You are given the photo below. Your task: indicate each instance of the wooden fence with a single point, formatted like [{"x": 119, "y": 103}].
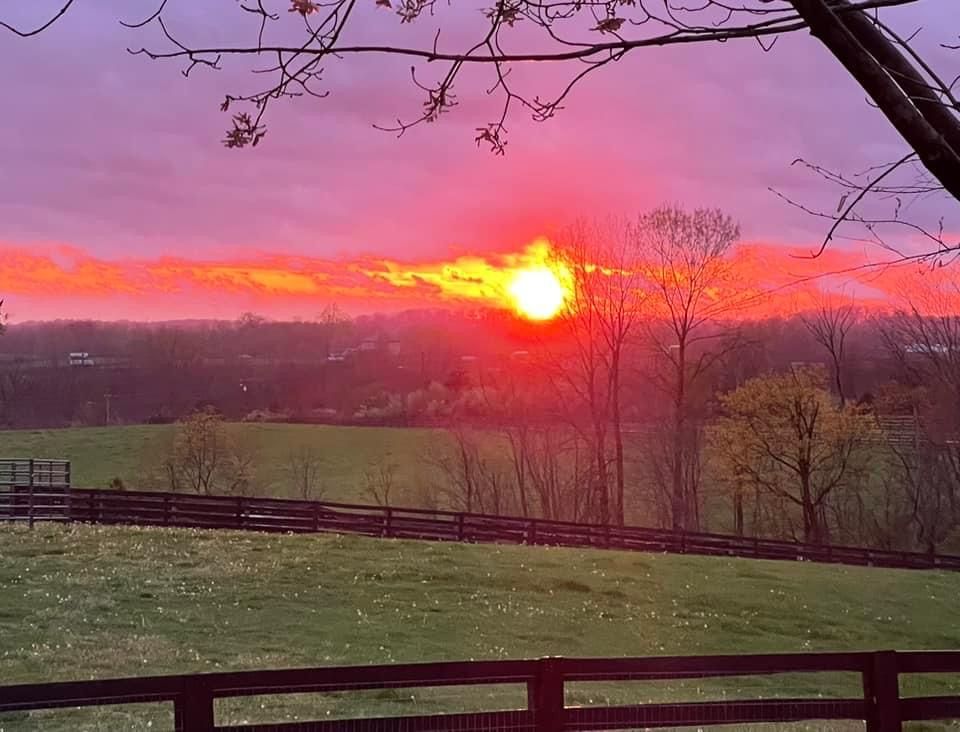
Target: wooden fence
[
  {"x": 34, "y": 472},
  {"x": 285, "y": 515},
  {"x": 546, "y": 681}
]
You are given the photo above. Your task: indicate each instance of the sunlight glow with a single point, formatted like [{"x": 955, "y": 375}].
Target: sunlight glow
[{"x": 537, "y": 294}]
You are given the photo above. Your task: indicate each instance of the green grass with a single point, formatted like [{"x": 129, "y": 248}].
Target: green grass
[
  {"x": 99, "y": 454},
  {"x": 92, "y": 602}
]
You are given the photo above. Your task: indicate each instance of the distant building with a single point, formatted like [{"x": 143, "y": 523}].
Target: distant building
[{"x": 82, "y": 359}]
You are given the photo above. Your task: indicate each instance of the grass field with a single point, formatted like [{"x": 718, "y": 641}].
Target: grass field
[
  {"x": 89, "y": 602},
  {"x": 99, "y": 454}
]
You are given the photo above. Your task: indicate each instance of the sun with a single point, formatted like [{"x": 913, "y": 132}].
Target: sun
[{"x": 537, "y": 293}]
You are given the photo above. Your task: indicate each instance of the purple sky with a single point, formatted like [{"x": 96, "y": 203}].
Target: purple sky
[{"x": 119, "y": 157}]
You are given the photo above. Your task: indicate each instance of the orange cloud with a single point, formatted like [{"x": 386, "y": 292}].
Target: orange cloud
[
  {"x": 467, "y": 277},
  {"x": 236, "y": 277},
  {"x": 59, "y": 281},
  {"x": 63, "y": 270}
]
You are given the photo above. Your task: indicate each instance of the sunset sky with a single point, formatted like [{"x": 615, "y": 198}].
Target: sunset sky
[{"x": 118, "y": 201}]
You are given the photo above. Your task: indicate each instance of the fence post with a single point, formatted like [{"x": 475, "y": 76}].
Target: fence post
[
  {"x": 387, "y": 515},
  {"x": 239, "y": 512},
  {"x": 30, "y": 494},
  {"x": 193, "y": 708},
  {"x": 316, "y": 517},
  {"x": 532, "y": 532},
  {"x": 459, "y": 527},
  {"x": 545, "y": 696},
  {"x": 881, "y": 691},
  {"x": 166, "y": 509}
]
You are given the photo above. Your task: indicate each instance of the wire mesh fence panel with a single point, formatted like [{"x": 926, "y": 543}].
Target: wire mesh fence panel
[
  {"x": 154, "y": 717},
  {"x": 729, "y": 700},
  {"x": 812, "y": 685},
  {"x": 480, "y": 707},
  {"x": 929, "y": 684},
  {"x": 817, "y": 726}
]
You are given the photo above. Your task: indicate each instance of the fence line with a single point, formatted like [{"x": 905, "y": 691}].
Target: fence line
[
  {"x": 193, "y": 696},
  {"x": 297, "y": 516}
]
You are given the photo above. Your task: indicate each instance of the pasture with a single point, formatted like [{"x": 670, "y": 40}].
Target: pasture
[
  {"x": 100, "y": 454},
  {"x": 89, "y": 602}
]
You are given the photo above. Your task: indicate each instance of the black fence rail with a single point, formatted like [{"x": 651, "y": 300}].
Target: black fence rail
[
  {"x": 546, "y": 682},
  {"x": 295, "y": 516}
]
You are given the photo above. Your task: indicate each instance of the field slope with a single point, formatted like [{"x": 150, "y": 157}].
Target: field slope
[
  {"x": 87, "y": 602},
  {"x": 100, "y": 454}
]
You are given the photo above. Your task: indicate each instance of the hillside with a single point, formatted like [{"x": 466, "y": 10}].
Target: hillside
[
  {"x": 100, "y": 454},
  {"x": 94, "y": 602}
]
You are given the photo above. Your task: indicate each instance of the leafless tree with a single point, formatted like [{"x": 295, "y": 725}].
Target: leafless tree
[
  {"x": 924, "y": 336},
  {"x": 379, "y": 480},
  {"x": 304, "y": 470},
  {"x": 690, "y": 286},
  {"x": 601, "y": 314},
  {"x": 13, "y": 380},
  {"x": 829, "y": 325},
  {"x": 912, "y": 89},
  {"x": 203, "y": 458},
  {"x": 468, "y": 474},
  {"x": 930, "y": 479},
  {"x": 549, "y": 461},
  {"x": 335, "y": 322}
]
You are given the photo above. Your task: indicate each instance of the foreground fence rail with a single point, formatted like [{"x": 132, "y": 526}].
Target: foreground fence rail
[
  {"x": 546, "y": 681},
  {"x": 40, "y": 503}
]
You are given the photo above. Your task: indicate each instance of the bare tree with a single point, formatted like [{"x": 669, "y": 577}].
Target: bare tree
[
  {"x": 335, "y": 322},
  {"x": 913, "y": 90},
  {"x": 924, "y": 336},
  {"x": 930, "y": 479},
  {"x": 829, "y": 325},
  {"x": 13, "y": 382},
  {"x": 469, "y": 475},
  {"x": 690, "y": 286},
  {"x": 203, "y": 458},
  {"x": 200, "y": 452},
  {"x": 601, "y": 315},
  {"x": 549, "y": 461},
  {"x": 379, "y": 481},
  {"x": 304, "y": 470}
]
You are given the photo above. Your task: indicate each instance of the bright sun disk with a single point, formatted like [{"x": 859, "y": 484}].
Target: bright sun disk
[{"x": 537, "y": 293}]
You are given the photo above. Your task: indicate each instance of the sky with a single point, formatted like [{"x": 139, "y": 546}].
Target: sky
[{"x": 117, "y": 199}]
